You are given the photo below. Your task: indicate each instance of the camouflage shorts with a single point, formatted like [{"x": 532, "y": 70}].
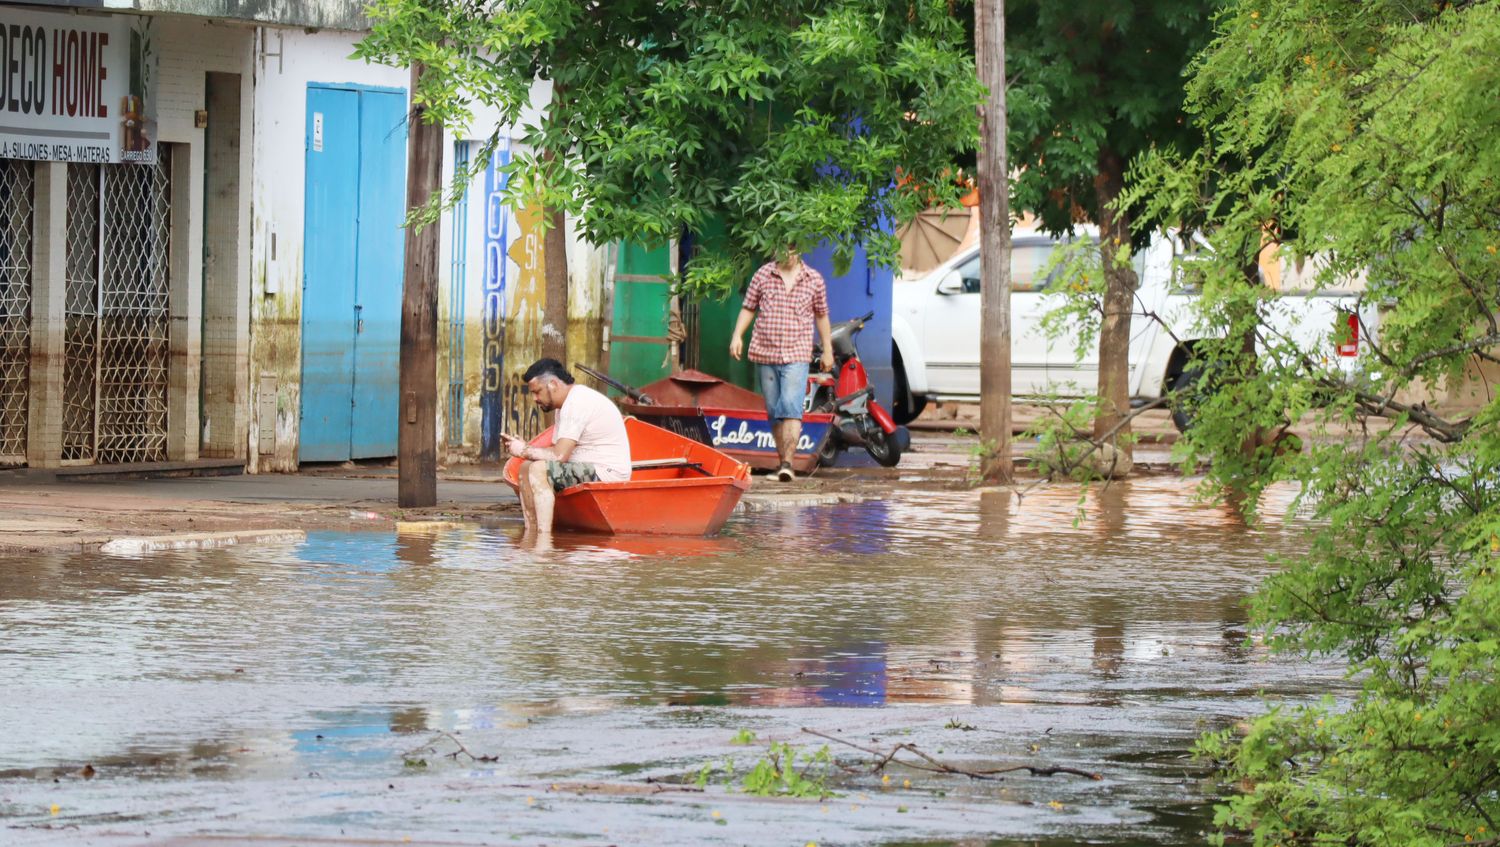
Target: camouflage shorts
[{"x": 568, "y": 474}]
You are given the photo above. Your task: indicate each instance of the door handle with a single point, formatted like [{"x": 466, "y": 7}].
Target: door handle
[{"x": 359, "y": 321}]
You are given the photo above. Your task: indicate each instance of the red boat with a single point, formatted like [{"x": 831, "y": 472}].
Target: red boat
[
  {"x": 676, "y": 487},
  {"x": 730, "y": 418}
]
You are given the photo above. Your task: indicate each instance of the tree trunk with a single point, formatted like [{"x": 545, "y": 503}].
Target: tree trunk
[
  {"x": 416, "y": 443},
  {"x": 555, "y": 268},
  {"x": 1120, "y": 283},
  {"x": 994, "y": 245},
  {"x": 555, "y": 252}
]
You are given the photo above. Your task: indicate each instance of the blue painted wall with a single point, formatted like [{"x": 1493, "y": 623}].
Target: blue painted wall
[
  {"x": 864, "y": 288},
  {"x": 497, "y": 237}
]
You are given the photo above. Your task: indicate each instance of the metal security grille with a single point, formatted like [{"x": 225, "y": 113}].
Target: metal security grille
[
  {"x": 17, "y": 183},
  {"x": 458, "y": 272},
  {"x": 81, "y": 313},
  {"x": 133, "y": 316}
]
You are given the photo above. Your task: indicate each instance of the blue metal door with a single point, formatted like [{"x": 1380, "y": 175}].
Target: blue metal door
[
  {"x": 330, "y": 239},
  {"x": 352, "y": 268},
  {"x": 377, "y": 294}
]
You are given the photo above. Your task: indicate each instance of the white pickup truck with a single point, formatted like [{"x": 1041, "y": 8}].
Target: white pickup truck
[{"x": 935, "y": 330}]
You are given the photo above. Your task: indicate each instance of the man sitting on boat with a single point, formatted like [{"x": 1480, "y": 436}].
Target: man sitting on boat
[{"x": 589, "y": 443}]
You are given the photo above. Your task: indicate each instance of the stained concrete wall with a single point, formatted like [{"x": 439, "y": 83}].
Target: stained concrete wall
[
  {"x": 286, "y": 62},
  {"x": 190, "y": 50},
  {"x": 489, "y": 368}
]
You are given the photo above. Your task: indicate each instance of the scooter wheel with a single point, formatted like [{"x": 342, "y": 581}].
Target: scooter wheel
[
  {"x": 883, "y": 448},
  {"x": 828, "y": 454}
]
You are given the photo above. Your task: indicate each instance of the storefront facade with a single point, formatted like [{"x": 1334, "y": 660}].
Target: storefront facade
[{"x": 121, "y": 228}]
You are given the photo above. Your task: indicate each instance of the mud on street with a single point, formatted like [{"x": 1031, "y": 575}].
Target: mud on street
[{"x": 376, "y": 680}]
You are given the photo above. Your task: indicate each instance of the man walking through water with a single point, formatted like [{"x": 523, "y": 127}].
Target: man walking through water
[
  {"x": 785, "y": 299},
  {"x": 589, "y": 443}
]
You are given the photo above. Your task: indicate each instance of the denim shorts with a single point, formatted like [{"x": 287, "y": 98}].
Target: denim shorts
[{"x": 785, "y": 389}]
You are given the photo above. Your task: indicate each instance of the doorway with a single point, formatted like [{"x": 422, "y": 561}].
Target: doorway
[{"x": 353, "y": 251}]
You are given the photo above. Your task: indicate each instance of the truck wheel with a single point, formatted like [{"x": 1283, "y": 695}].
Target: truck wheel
[
  {"x": 1188, "y": 390},
  {"x": 907, "y": 405}
]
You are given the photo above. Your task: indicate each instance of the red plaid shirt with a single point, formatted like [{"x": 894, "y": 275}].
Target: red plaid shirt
[{"x": 783, "y": 331}]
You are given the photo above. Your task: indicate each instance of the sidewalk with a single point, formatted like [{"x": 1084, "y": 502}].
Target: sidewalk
[
  {"x": 1153, "y": 426},
  {"x": 37, "y": 516}
]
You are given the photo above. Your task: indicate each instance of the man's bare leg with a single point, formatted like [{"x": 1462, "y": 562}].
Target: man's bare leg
[
  {"x": 542, "y": 496},
  {"x": 528, "y": 509},
  {"x": 791, "y": 433}
]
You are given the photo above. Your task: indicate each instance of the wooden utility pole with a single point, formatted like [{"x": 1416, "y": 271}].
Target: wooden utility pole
[
  {"x": 416, "y": 443},
  {"x": 994, "y": 245}
]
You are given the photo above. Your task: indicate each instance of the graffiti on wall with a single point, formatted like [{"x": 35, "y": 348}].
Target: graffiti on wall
[
  {"x": 523, "y": 339},
  {"x": 496, "y": 232}
]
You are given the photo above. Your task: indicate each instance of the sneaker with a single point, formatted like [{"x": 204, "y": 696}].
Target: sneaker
[{"x": 784, "y": 474}]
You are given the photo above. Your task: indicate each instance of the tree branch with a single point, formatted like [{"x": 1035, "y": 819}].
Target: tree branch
[{"x": 936, "y": 766}]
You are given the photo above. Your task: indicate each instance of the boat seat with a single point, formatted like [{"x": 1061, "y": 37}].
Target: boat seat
[{"x": 667, "y": 463}]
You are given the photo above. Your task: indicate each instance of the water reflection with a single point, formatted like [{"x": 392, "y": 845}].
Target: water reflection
[{"x": 949, "y": 598}]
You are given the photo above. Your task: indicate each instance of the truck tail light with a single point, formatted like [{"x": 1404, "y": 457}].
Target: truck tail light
[{"x": 1346, "y": 334}]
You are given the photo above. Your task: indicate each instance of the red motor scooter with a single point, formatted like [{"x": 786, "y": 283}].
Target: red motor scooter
[{"x": 858, "y": 418}]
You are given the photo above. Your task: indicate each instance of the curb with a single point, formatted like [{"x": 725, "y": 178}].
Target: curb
[
  {"x": 777, "y": 502},
  {"x": 197, "y": 541}
]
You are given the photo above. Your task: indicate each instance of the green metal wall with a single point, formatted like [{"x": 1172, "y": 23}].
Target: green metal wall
[{"x": 638, "y": 326}]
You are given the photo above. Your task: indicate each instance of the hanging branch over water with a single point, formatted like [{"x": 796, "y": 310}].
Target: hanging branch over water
[{"x": 932, "y": 765}]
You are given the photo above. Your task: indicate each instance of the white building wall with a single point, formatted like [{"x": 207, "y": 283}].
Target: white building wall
[{"x": 286, "y": 62}]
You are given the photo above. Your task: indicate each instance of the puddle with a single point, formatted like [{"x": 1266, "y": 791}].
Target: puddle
[{"x": 355, "y": 684}]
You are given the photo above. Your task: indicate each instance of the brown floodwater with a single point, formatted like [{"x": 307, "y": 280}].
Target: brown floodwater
[{"x": 303, "y": 690}]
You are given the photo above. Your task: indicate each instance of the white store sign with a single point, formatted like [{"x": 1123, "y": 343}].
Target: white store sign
[{"x": 77, "y": 88}]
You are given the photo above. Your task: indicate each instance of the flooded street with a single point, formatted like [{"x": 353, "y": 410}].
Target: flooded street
[{"x": 317, "y": 689}]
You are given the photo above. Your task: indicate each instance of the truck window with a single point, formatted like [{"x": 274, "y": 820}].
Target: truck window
[{"x": 1027, "y": 263}]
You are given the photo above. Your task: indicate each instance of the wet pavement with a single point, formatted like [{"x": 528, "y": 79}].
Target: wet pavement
[{"x": 454, "y": 685}]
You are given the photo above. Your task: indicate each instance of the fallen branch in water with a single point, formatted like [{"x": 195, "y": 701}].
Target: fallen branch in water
[
  {"x": 461, "y": 751},
  {"x": 652, "y": 786},
  {"x": 935, "y": 766}
]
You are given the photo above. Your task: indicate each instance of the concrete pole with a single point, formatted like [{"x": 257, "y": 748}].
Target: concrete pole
[
  {"x": 994, "y": 245},
  {"x": 416, "y": 443},
  {"x": 49, "y": 292}
]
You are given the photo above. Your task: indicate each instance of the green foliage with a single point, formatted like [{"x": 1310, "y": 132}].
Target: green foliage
[
  {"x": 981, "y": 453},
  {"x": 784, "y": 771},
  {"x": 1361, "y": 138},
  {"x": 788, "y": 121},
  {"x": 1074, "y": 293},
  {"x": 777, "y": 773},
  {"x": 1064, "y": 446},
  {"x": 1093, "y": 81},
  {"x": 742, "y": 737}
]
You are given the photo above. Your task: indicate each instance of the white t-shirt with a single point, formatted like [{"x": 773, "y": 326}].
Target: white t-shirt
[{"x": 592, "y": 420}]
